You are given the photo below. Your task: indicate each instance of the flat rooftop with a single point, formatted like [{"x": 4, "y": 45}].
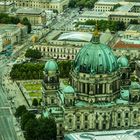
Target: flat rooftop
[
  {"x": 105, "y": 135},
  {"x": 125, "y": 8},
  {"x": 134, "y": 27},
  {"x": 75, "y": 36},
  {"x": 120, "y": 13},
  {"x": 2, "y": 3},
  {"x": 8, "y": 27},
  {"x": 26, "y": 10},
  {"x": 95, "y": 14}
]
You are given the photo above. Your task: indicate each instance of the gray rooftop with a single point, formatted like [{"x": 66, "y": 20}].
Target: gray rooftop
[
  {"x": 7, "y": 28},
  {"x": 105, "y": 135},
  {"x": 76, "y": 36},
  {"x": 110, "y": 0},
  {"x": 6, "y": 3},
  {"x": 125, "y": 8},
  {"x": 95, "y": 14},
  {"x": 26, "y": 10},
  {"x": 134, "y": 27}
]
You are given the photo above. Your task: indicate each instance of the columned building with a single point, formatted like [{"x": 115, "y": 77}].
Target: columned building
[{"x": 95, "y": 99}]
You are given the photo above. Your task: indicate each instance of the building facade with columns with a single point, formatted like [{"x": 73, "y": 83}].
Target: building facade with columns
[
  {"x": 59, "y": 5},
  {"x": 35, "y": 16},
  {"x": 95, "y": 98}
]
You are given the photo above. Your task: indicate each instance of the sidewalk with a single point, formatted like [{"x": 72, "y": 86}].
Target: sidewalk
[{"x": 13, "y": 92}]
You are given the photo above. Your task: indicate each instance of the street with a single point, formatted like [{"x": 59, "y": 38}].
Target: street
[
  {"x": 65, "y": 21},
  {"x": 7, "y": 129}
]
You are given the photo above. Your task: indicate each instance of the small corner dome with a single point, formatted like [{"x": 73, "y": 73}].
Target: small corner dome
[
  {"x": 123, "y": 61},
  {"x": 51, "y": 65},
  {"x": 68, "y": 89}
]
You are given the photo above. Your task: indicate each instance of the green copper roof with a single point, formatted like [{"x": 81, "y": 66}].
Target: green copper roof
[
  {"x": 135, "y": 85},
  {"x": 123, "y": 61},
  {"x": 95, "y": 58},
  {"x": 51, "y": 65},
  {"x": 125, "y": 94},
  {"x": 68, "y": 89}
]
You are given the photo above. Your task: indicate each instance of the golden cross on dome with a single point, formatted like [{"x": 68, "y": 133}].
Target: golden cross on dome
[
  {"x": 96, "y": 35},
  {"x": 96, "y": 32}
]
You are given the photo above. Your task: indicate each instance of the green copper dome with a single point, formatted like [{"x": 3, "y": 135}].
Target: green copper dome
[
  {"x": 68, "y": 90},
  {"x": 95, "y": 58},
  {"x": 51, "y": 65},
  {"x": 123, "y": 61}
]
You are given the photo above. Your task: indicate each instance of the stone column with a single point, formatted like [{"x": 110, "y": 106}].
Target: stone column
[
  {"x": 100, "y": 123},
  {"x": 94, "y": 89},
  {"x": 74, "y": 124},
  {"x": 86, "y": 88},
  {"x": 90, "y": 121},
  {"x": 81, "y": 121},
  {"x": 108, "y": 88},
  {"x": 81, "y": 84},
  {"x": 93, "y": 122},
  {"x": 103, "y": 88},
  {"x": 79, "y": 87}
]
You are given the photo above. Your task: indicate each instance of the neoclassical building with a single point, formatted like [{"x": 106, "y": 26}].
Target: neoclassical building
[
  {"x": 100, "y": 95},
  {"x": 59, "y": 5}
]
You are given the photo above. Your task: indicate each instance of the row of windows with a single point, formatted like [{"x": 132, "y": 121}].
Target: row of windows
[
  {"x": 62, "y": 50},
  {"x": 104, "y": 116},
  {"x": 127, "y": 115},
  {"x": 108, "y": 7},
  {"x": 44, "y": 6},
  {"x": 104, "y": 125},
  {"x": 123, "y": 19}
]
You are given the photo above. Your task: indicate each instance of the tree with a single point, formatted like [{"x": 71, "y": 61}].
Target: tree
[
  {"x": 6, "y": 19},
  {"x": 64, "y": 67},
  {"x": 120, "y": 26},
  {"x": 25, "y": 118},
  {"x": 27, "y": 71},
  {"x": 35, "y": 102},
  {"x": 20, "y": 111},
  {"x": 26, "y": 22},
  {"x": 31, "y": 129},
  {"x": 115, "y": 7},
  {"x": 33, "y": 54},
  {"x": 72, "y": 3},
  {"x": 55, "y": 11},
  {"x": 15, "y": 20},
  {"x": 134, "y": 21},
  {"x": 47, "y": 129},
  {"x": 38, "y": 129}
]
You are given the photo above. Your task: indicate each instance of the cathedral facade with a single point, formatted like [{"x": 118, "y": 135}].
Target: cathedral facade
[{"x": 100, "y": 95}]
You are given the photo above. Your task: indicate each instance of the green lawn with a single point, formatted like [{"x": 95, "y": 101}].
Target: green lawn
[
  {"x": 30, "y": 86},
  {"x": 35, "y": 94}
]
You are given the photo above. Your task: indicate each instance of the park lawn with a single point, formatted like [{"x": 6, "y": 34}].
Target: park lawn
[
  {"x": 30, "y": 86},
  {"x": 35, "y": 94}
]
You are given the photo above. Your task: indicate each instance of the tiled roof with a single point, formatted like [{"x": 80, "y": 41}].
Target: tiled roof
[{"x": 123, "y": 45}]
